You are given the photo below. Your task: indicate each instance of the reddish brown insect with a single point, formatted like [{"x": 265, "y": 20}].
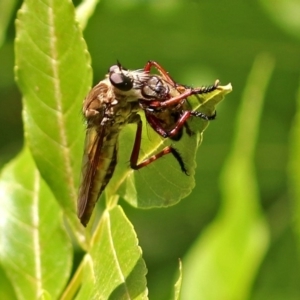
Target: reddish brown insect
[
  {"x": 115, "y": 102},
  {"x": 167, "y": 111}
]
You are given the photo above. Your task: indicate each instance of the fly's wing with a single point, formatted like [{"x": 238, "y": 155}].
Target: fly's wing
[
  {"x": 93, "y": 110},
  {"x": 88, "y": 192}
]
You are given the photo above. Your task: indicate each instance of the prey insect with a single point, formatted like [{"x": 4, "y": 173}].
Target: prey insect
[
  {"x": 115, "y": 102},
  {"x": 167, "y": 110}
]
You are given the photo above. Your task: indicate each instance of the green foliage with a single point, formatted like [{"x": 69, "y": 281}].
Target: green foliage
[
  {"x": 53, "y": 73},
  {"x": 35, "y": 250},
  {"x": 246, "y": 249},
  {"x": 118, "y": 270},
  {"x": 239, "y": 232},
  {"x": 6, "y": 10},
  {"x": 178, "y": 283}
]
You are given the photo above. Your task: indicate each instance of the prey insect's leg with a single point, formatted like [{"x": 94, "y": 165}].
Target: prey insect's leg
[
  {"x": 201, "y": 115},
  {"x": 184, "y": 117},
  {"x": 136, "y": 150},
  {"x": 184, "y": 93},
  {"x": 156, "y": 125},
  {"x": 161, "y": 70}
]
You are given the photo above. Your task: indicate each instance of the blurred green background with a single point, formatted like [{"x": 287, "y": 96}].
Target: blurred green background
[{"x": 198, "y": 42}]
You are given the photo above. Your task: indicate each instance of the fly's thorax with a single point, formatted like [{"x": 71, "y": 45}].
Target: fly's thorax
[
  {"x": 101, "y": 96},
  {"x": 121, "y": 113},
  {"x": 120, "y": 87},
  {"x": 106, "y": 104},
  {"x": 115, "y": 101}
]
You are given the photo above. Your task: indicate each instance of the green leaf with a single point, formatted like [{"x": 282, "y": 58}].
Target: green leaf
[
  {"x": 53, "y": 73},
  {"x": 226, "y": 258},
  {"x": 45, "y": 296},
  {"x": 35, "y": 250},
  {"x": 178, "y": 283},
  {"x": 6, "y": 288},
  {"x": 6, "y": 11},
  {"x": 161, "y": 183},
  {"x": 294, "y": 167},
  {"x": 285, "y": 14},
  {"x": 114, "y": 268},
  {"x": 85, "y": 10}
]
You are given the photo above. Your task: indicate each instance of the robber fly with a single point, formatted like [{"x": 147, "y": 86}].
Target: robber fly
[
  {"x": 115, "y": 102},
  {"x": 109, "y": 106}
]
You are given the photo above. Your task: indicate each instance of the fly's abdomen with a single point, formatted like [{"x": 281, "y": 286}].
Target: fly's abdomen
[{"x": 98, "y": 166}]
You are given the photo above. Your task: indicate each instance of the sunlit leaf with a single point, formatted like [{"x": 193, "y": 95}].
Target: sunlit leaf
[
  {"x": 85, "y": 10},
  {"x": 225, "y": 259},
  {"x": 53, "y": 73},
  {"x": 162, "y": 183},
  {"x": 114, "y": 265},
  {"x": 45, "y": 296},
  {"x": 178, "y": 283},
  {"x": 35, "y": 250}
]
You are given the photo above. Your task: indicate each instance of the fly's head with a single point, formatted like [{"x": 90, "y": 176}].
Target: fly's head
[{"x": 127, "y": 82}]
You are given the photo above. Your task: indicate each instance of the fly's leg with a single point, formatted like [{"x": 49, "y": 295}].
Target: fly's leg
[{"x": 136, "y": 150}]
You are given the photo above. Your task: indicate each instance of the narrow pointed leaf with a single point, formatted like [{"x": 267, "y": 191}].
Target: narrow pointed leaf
[
  {"x": 35, "y": 250},
  {"x": 53, "y": 73},
  {"x": 294, "y": 166},
  {"x": 224, "y": 260},
  {"x": 85, "y": 10},
  {"x": 177, "y": 287}
]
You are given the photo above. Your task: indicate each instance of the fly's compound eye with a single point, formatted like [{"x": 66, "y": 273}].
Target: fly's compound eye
[
  {"x": 116, "y": 68},
  {"x": 120, "y": 81},
  {"x": 113, "y": 68}
]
